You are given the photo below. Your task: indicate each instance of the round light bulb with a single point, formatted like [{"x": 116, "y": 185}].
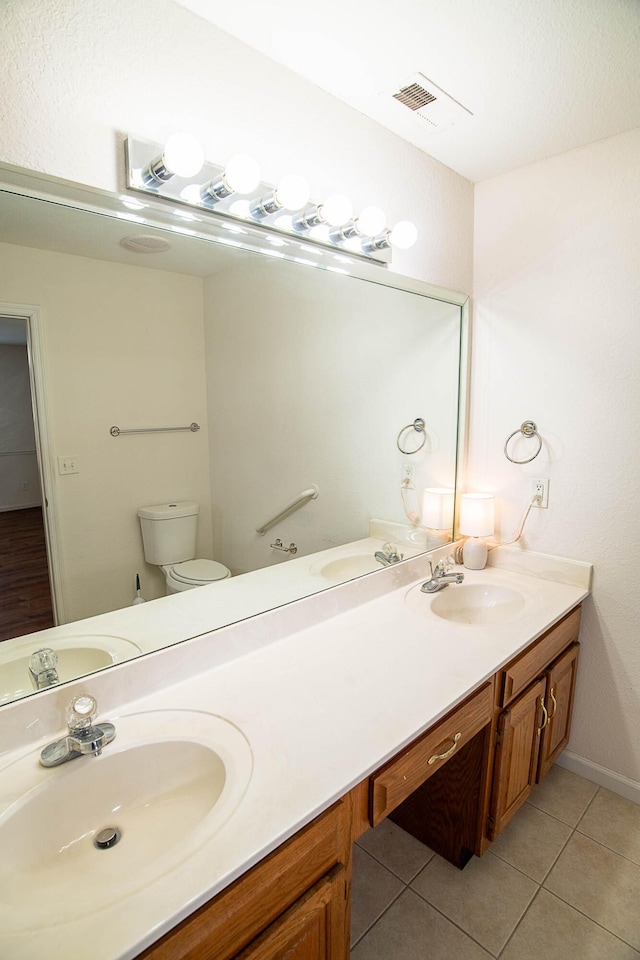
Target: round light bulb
[
  {"x": 403, "y": 235},
  {"x": 336, "y": 210},
  {"x": 240, "y": 208},
  {"x": 284, "y": 222},
  {"x": 191, "y": 193},
  {"x": 292, "y": 192},
  {"x": 242, "y": 174},
  {"x": 371, "y": 221},
  {"x": 320, "y": 232},
  {"x": 183, "y": 155}
]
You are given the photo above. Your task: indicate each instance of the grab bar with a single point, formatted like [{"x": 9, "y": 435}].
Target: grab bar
[
  {"x": 310, "y": 494},
  {"x": 117, "y": 431}
]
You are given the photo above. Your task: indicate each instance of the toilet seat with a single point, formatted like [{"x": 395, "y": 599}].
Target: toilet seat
[{"x": 196, "y": 573}]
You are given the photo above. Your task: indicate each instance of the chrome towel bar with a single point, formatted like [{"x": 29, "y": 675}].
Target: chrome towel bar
[
  {"x": 527, "y": 429},
  {"x": 117, "y": 431}
]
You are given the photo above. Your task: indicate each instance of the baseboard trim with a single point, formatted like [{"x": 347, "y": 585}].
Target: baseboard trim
[
  {"x": 19, "y": 506},
  {"x": 623, "y": 786}
]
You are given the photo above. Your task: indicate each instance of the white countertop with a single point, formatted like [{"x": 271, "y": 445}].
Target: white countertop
[
  {"x": 321, "y": 708},
  {"x": 142, "y": 628}
]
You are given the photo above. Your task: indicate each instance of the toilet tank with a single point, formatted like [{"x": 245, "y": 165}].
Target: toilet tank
[{"x": 169, "y": 531}]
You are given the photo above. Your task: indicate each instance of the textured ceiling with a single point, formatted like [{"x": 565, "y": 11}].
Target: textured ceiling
[{"x": 539, "y": 78}]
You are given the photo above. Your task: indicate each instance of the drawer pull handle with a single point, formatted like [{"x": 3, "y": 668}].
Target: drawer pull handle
[
  {"x": 555, "y": 704},
  {"x": 447, "y": 753},
  {"x": 546, "y": 716}
]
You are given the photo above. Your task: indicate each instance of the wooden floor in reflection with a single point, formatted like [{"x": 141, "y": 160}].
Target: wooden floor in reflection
[{"x": 25, "y": 594}]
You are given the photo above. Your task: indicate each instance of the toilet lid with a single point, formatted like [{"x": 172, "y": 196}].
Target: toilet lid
[{"x": 199, "y": 571}]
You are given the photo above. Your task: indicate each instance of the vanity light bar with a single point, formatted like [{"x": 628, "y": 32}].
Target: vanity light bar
[{"x": 178, "y": 172}]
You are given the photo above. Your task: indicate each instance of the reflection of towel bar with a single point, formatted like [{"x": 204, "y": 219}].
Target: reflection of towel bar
[
  {"x": 116, "y": 431},
  {"x": 304, "y": 497}
]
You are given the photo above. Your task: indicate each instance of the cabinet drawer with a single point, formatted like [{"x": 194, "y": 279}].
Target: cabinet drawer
[
  {"x": 393, "y": 783},
  {"x": 221, "y": 928},
  {"x": 524, "y": 669}
]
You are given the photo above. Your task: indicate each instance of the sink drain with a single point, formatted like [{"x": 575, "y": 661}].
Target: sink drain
[{"x": 107, "y": 838}]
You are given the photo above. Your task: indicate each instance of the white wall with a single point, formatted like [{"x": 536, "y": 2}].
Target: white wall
[
  {"x": 79, "y": 74},
  {"x": 18, "y": 463},
  {"x": 557, "y": 340},
  {"x": 115, "y": 353},
  {"x": 311, "y": 375}
]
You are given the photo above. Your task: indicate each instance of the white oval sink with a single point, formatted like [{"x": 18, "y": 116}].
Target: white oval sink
[
  {"x": 77, "y": 656},
  {"x": 345, "y": 568},
  {"x": 478, "y": 603},
  {"x": 168, "y": 783}
]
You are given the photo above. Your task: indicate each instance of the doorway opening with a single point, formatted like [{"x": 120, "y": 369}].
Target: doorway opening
[{"x": 27, "y": 595}]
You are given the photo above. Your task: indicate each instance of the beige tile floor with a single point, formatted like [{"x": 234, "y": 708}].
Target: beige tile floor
[{"x": 562, "y": 882}]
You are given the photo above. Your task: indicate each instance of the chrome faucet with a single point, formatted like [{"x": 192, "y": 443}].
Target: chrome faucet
[
  {"x": 440, "y": 577},
  {"x": 388, "y": 555},
  {"x": 42, "y": 668},
  {"x": 84, "y": 738}
]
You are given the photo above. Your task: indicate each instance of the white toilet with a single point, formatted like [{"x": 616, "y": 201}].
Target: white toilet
[{"x": 169, "y": 540}]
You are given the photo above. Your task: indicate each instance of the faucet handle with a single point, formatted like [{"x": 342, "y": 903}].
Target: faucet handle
[
  {"x": 43, "y": 660},
  {"x": 81, "y": 712},
  {"x": 445, "y": 564}
]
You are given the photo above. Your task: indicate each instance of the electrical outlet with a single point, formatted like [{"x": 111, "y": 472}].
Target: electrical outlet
[
  {"x": 408, "y": 479},
  {"x": 68, "y": 465},
  {"x": 24, "y": 485},
  {"x": 540, "y": 488}
]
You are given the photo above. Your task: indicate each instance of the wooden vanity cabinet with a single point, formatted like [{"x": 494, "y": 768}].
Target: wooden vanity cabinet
[
  {"x": 455, "y": 788},
  {"x": 294, "y": 903},
  {"x": 433, "y": 788},
  {"x": 534, "y": 718}
]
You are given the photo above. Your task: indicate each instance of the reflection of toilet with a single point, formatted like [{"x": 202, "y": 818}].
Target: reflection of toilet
[{"x": 169, "y": 539}]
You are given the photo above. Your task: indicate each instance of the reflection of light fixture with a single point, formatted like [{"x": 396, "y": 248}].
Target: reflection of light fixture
[
  {"x": 437, "y": 508},
  {"x": 292, "y": 193},
  {"x": 241, "y": 175},
  {"x": 334, "y": 211},
  {"x": 477, "y": 511},
  {"x": 182, "y": 156}
]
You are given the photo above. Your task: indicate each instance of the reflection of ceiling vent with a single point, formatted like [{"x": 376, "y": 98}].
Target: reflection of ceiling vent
[
  {"x": 429, "y": 102},
  {"x": 145, "y": 243}
]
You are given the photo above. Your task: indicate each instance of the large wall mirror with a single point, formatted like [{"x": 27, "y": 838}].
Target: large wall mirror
[{"x": 304, "y": 371}]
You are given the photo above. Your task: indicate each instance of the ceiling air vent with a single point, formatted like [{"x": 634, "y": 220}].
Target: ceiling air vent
[
  {"x": 145, "y": 243},
  {"x": 427, "y": 101}
]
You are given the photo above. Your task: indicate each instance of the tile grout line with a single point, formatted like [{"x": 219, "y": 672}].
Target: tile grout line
[
  {"x": 392, "y": 872},
  {"x": 452, "y": 922},
  {"x": 513, "y": 932},
  {"x": 378, "y": 918},
  {"x": 572, "y": 906},
  {"x": 540, "y": 884}
]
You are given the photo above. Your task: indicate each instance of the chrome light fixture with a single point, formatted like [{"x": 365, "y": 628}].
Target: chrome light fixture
[
  {"x": 241, "y": 175},
  {"x": 182, "y": 156},
  {"x": 179, "y": 173},
  {"x": 402, "y": 236},
  {"x": 292, "y": 193},
  {"x": 335, "y": 211}
]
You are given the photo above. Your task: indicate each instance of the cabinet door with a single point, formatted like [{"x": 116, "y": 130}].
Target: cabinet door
[
  {"x": 561, "y": 683},
  {"x": 311, "y": 929},
  {"x": 516, "y": 757}
]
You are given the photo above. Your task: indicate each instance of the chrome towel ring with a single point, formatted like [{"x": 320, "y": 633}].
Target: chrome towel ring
[
  {"x": 528, "y": 429},
  {"x": 418, "y": 426}
]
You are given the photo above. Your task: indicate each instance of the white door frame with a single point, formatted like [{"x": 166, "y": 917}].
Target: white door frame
[{"x": 44, "y": 455}]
